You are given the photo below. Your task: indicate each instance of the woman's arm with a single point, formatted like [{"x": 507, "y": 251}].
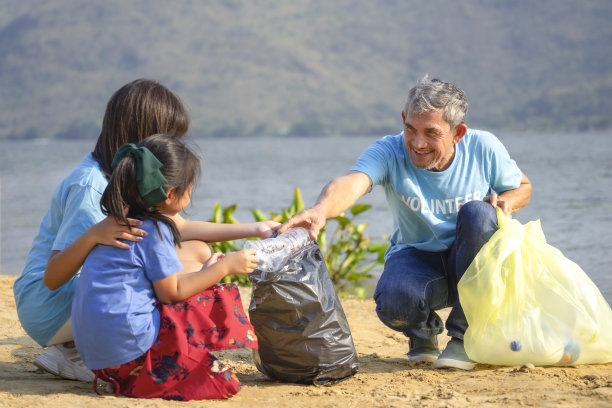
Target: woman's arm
[
  {"x": 180, "y": 286},
  {"x": 63, "y": 265},
  {"x": 218, "y": 232}
]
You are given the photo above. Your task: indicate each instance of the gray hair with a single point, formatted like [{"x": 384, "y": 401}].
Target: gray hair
[{"x": 434, "y": 95}]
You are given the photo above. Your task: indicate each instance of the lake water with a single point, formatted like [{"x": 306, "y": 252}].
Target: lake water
[{"x": 571, "y": 174}]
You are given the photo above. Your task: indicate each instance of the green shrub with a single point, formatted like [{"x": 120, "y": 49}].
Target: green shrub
[{"x": 349, "y": 254}]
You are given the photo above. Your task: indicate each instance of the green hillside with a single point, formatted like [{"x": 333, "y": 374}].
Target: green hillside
[{"x": 264, "y": 68}]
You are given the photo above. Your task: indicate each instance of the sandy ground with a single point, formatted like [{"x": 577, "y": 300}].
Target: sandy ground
[{"x": 385, "y": 377}]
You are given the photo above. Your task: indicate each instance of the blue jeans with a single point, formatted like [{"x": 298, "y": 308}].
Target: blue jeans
[{"x": 414, "y": 283}]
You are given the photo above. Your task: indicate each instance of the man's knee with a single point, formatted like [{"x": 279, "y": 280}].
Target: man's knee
[
  {"x": 477, "y": 218},
  {"x": 397, "y": 307},
  {"x": 477, "y": 210}
]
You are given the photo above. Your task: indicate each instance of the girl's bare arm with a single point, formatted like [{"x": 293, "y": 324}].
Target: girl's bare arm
[{"x": 181, "y": 285}]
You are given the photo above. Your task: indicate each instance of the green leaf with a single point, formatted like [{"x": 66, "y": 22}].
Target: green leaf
[
  {"x": 342, "y": 221},
  {"x": 228, "y": 211},
  {"x": 258, "y": 215},
  {"x": 382, "y": 246},
  {"x": 297, "y": 200},
  {"x": 216, "y": 213},
  {"x": 360, "y": 292},
  {"x": 359, "y": 208},
  {"x": 359, "y": 228},
  {"x": 286, "y": 215},
  {"x": 291, "y": 210}
]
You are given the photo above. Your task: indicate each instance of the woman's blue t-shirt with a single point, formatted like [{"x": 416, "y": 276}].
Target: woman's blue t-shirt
[
  {"x": 425, "y": 203},
  {"x": 114, "y": 319},
  {"x": 74, "y": 208}
]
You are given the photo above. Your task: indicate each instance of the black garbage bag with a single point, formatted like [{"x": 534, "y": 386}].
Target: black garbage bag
[{"x": 302, "y": 330}]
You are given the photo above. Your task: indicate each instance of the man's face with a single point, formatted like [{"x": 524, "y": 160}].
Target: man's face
[{"x": 429, "y": 140}]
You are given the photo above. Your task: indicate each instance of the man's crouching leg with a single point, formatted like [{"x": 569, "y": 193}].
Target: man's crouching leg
[
  {"x": 411, "y": 288},
  {"x": 476, "y": 223}
]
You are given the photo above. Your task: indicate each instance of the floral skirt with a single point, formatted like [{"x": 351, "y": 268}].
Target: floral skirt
[{"x": 179, "y": 365}]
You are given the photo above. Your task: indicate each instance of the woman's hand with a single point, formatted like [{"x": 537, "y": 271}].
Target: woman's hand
[
  {"x": 63, "y": 265},
  {"x": 109, "y": 231},
  {"x": 265, "y": 229}
]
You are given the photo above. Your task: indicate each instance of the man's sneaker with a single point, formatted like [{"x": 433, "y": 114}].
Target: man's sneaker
[
  {"x": 454, "y": 356},
  {"x": 64, "y": 362},
  {"x": 423, "y": 350}
]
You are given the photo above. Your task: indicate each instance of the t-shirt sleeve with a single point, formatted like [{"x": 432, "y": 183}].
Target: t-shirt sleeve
[
  {"x": 160, "y": 258},
  {"x": 505, "y": 174},
  {"x": 81, "y": 211},
  {"x": 374, "y": 161}
]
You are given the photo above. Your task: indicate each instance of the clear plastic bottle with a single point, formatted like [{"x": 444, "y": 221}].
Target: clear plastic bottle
[{"x": 272, "y": 252}]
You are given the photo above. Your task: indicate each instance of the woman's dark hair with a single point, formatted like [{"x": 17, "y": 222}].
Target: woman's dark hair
[
  {"x": 181, "y": 168},
  {"x": 138, "y": 110}
]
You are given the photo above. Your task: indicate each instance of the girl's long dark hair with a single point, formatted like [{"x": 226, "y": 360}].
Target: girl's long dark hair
[
  {"x": 138, "y": 110},
  {"x": 181, "y": 167}
]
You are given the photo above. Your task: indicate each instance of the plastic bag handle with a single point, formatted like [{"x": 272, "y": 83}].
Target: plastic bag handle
[{"x": 502, "y": 218}]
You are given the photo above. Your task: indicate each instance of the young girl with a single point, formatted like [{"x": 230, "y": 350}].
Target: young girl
[{"x": 141, "y": 321}]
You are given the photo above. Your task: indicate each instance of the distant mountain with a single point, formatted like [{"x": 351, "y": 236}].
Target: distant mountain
[{"x": 312, "y": 67}]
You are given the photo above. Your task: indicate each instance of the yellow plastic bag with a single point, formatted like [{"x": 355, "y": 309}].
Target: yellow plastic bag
[{"x": 526, "y": 303}]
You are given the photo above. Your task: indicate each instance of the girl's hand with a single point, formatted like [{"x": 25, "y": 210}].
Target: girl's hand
[
  {"x": 265, "y": 229},
  {"x": 109, "y": 231},
  {"x": 241, "y": 262}
]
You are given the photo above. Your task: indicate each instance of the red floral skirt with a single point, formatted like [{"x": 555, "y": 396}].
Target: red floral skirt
[{"x": 179, "y": 365}]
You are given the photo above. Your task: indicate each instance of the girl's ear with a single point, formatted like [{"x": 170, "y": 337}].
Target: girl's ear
[{"x": 171, "y": 194}]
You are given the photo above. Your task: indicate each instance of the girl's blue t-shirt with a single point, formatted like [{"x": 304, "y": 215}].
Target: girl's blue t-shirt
[
  {"x": 74, "y": 207},
  {"x": 114, "y": 319},
  {"x": 425, "y": 203}
]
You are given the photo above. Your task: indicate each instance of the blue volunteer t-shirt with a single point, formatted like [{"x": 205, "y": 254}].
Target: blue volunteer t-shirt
[
  {"x": 425, "y": 203},
  {"x": 114, "y": 319}
]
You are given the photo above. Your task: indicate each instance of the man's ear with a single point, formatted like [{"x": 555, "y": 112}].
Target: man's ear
[
  {"x": 403, "y": 118},
  {"x": 460, "y": 131}
]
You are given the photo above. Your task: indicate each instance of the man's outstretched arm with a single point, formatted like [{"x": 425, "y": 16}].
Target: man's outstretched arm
[{"x": 337, "y": 196}]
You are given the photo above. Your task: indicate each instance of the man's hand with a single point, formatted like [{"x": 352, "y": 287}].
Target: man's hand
[
  {"x": 337, "y": 196},
  {"x": 312, "y": 219},
  {"x": 497, "y": 201}
]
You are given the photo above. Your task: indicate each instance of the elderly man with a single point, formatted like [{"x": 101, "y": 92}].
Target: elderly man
[{"x": 443, "y": 182}]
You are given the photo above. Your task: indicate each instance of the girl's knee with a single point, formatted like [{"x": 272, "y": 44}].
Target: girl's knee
[{"x": 195, "y": 251}]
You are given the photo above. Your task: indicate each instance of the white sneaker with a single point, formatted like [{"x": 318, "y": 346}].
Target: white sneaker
[
  {"x": 64, "y": 362},
  {"x": 454, "y": 356}
]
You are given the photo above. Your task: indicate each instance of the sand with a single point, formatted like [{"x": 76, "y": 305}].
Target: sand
[{"x": 385, "y": 377}]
